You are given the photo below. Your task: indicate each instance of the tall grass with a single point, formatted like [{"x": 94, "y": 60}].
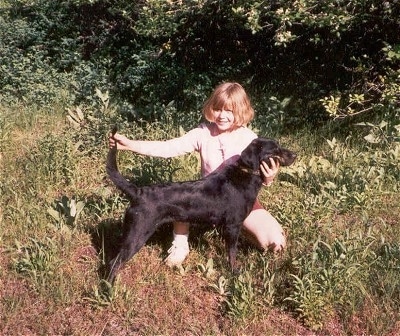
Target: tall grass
[{"x": 59, "y": 215}]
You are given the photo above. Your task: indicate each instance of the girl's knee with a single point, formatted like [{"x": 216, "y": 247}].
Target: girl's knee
[
  {"x": 274, "y": 242},
  {"x": 267, "y": 232}
]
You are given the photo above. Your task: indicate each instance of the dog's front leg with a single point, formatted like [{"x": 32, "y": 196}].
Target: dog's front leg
[{"x": 231, "y": 242}]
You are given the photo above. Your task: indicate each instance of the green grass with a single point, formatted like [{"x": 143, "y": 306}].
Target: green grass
[{"x": 59, "y": 214}]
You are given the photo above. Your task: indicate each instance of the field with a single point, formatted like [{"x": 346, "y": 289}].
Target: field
[{"x": 60, "y": 215}]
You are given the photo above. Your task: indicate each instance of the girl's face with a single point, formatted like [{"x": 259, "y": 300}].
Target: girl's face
[{"x": 224, "y": 119}]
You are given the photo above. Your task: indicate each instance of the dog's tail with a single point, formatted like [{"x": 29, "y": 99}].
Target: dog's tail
[{"x": 112, "y": 170}]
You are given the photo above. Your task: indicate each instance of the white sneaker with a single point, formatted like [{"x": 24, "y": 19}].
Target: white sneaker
[{"x": 177, "y": 253}]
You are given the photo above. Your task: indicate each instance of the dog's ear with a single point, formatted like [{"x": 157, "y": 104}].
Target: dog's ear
[{"x": 250, "y": 156}]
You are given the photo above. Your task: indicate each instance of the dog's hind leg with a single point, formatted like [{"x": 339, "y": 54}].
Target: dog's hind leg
[
  {"x": 126, "y": 252},
  {"x": 137, "y": 230}
]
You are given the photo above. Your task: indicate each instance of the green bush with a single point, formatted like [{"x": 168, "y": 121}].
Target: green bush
[
  {"x": 323, "y": 60},
  {"x": 26, "y": 73}
]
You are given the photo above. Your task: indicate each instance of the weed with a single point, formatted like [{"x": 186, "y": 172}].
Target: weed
[
  {"x": 38, "y": 260},
  {"x": 331, "y": 276},
  {"x": 268, "y": 282},
  {"x": 208, "y": 270},
  {"x": 383, "y": 133},
  {"x": 53, "y": 161},
  {"x": 310, "y": 302},
  {"x": 341, "y": 184},
  {"x": 102, "y": 295},
  {"x": 66, "y": 212},
  {"x": 240, "y": 304},
  {"x": 222, "y": 287}
]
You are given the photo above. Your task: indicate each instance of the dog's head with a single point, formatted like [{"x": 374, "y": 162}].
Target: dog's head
[{"x": 261, "y": 149}]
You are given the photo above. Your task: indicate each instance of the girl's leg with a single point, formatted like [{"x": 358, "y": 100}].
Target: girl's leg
[
  {"x": 264, "y": 231},
  {"x": 260, "y": 228},
  {"x": 181, "y": 228},
  {"x": 180, "y": 246}
]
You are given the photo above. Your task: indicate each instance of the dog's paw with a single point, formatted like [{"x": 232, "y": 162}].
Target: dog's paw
[
  {"x": 236, "y": 269},
  {"x": 236, "y": 272}
]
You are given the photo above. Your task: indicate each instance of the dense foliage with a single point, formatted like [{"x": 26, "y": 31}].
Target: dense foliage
[{"x": 329, "y": 58}]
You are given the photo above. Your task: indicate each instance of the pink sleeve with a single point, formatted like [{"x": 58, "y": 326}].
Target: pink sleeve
[{"x": 169, "y": 148}]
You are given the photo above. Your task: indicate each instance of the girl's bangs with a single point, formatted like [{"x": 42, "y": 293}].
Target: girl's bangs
[{"x": 223, "y": 103}]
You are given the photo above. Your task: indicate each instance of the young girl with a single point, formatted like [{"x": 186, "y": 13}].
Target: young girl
[{"x": 219, "y": 142}]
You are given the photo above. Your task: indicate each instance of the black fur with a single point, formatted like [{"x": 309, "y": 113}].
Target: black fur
[{"x": 223, "y": 199}]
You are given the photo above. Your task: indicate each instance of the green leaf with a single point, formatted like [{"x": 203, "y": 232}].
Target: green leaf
[
  {"x": 54, "y": 213},
  {"x": 371, "y": 138}
]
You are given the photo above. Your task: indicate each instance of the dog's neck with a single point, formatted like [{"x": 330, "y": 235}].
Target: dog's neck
[{"x": 248, "y": 170}]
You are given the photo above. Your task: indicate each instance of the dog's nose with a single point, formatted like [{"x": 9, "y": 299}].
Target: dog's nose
[{"x": 288, "y": 158}]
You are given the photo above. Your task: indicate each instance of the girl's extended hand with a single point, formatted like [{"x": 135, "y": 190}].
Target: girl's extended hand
[
  {"x": 119, "y": 140},
  {"x": 269, "y": 173}
]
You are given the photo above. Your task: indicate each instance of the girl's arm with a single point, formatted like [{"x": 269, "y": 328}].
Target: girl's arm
[{"x": 165, "y": 149}]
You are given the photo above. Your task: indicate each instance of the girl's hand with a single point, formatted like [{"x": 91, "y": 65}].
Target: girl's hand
[
  {"x": 119, "y": 140},
  {"x": 269, "y": 173}
]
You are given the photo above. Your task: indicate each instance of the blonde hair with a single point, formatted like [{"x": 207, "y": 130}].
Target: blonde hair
[{"x": 233, "y": 97}]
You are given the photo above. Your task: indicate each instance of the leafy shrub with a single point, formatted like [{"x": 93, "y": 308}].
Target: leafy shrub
[
  {"x": 330, "y": 60},
  {"x": 26, "y": 74}
]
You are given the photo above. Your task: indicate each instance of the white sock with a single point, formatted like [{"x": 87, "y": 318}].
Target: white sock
[{"x": 181, "y": 238}]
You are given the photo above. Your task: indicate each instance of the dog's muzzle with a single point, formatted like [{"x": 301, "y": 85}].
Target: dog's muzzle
[{"x": 285, "y": 160}]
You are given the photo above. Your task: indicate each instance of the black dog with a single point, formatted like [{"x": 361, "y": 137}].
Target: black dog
[{"x": 223, "y": 199}]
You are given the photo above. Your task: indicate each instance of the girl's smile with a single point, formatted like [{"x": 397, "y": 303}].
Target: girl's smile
[{"x": 224, "y": 119}]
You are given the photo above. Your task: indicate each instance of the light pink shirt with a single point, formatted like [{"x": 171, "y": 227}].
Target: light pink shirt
[{"x": 215, "y": 149}]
